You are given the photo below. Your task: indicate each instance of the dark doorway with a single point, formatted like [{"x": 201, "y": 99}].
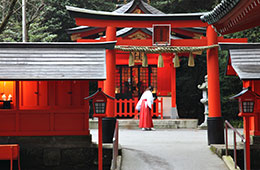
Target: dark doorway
[{"x": 131, "y": 82}]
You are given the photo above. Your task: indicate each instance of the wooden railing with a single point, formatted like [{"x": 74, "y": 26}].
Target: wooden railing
[
  {"x": 126, "y": 108},
  {"x": 115, "y": 148},
  {"x": 235, "y": 132}
]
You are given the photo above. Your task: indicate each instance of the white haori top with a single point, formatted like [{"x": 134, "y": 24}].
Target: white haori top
[{"x": 146, "y": 95}]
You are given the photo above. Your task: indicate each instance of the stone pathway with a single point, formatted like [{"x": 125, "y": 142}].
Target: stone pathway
[{"x": 171, "y": 149}]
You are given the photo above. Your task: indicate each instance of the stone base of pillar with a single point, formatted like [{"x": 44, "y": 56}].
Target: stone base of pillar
[
  {"x": 174, "y": 113},
  {"x": 215, "y": 130}
]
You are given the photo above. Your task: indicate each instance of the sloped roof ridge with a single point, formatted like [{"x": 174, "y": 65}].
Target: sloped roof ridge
[
  {"x": 132, "y": 5},
  {"x": 151, "y": 8},
  {"x": 124, "y": 8}
]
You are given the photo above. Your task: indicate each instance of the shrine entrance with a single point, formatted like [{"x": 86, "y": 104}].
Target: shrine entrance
[
  {"x": 131, "y": 82},
  {"x": 162, "y": 47}
]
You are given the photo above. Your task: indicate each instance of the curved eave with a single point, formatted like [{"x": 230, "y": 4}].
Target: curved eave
[
  {"x": 80, "y": 29},
  {"x": 219, "y": 11},
  {"x": 234, "y": 16},
  {"x": 101, "y": 15}
]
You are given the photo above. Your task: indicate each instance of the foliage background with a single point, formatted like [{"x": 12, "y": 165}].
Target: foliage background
[{"x": 52, "y": 21}]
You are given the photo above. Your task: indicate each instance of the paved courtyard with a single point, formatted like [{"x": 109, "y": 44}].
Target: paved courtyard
[{"x": 171, "y": 149}]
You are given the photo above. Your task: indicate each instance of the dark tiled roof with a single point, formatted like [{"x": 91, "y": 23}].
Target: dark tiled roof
[
  {"x": 150, "y": 8},
  {"x": 124, "y": 8},
  {"x": 219, "y": 11},
  {"x": 131, "y": 6}
]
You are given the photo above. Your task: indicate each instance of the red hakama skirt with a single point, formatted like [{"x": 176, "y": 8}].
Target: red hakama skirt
[{"x": 145, "y": 116}]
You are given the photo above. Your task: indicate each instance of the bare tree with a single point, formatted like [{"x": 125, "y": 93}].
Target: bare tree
[
  {"x": 32, "y": 15},
  {"x": 7, "y": 16}
]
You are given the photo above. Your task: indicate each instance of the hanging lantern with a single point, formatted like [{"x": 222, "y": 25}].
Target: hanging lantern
[
  {"x": 191, "y": 62},
  {"x": 176, "y": 61},
  {"x": 160, "y": 61},
  {"x": 131, "y": 60},
  {"x": 144, "y": 61}
]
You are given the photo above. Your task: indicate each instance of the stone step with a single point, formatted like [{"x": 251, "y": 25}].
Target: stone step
[{"x": 158, "y": 123}]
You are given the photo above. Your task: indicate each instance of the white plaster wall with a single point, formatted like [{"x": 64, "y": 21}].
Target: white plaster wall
[{"x": 168, "y": 111}]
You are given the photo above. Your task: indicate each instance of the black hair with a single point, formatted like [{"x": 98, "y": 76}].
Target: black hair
[{"x": 150, "y": 88}]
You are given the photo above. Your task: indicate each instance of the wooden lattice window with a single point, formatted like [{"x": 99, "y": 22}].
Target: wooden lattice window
[{"x": 132, "y": 81}]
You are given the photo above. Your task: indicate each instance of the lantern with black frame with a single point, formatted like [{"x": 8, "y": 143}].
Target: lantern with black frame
[
  {"x": 247, "y": 104},
  {"x": 246, "y": 99},
  {"x": 99, "y": 100}
]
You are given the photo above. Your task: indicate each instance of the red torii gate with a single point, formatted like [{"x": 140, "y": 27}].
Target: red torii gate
[
  {"x": 229, "y": 17},
  {"x": 112, "y": 21}
]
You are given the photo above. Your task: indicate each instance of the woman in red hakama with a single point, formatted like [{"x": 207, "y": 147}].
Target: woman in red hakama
[{"x": 144, "y": 105}]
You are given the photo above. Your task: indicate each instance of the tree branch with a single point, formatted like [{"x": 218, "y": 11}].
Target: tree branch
[
  {"x": 7, "y": 17},
  {"x": 36, "y": 14}
]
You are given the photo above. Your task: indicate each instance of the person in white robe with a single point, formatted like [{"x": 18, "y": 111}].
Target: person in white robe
[{"x": 144, "y": 105}]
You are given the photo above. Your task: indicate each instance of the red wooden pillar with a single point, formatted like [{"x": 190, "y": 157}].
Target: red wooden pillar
[
  {"x": 247, "y": 136},
  {"x": 173, "y": 85},
  {"x": 215, "y": 120},
  {"x": 17, "y": 106},
  {"x": 173, "y": 91},
  {"x": 100, "y": 145},
  {"x": 109, "y": 83}
]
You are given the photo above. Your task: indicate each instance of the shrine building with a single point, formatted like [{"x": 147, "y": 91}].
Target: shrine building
[
  {"x": 136, "y": 69},
  {"x": 43, "y": 84},
  {"x": 148, "y": 46}
]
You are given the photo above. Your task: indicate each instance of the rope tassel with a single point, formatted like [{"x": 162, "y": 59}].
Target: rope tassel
[
  {"x": 145, "y": 62},
  {"x": 191, "y": 62},
  {"x": 160, "y": 61},
  {"x": 176, "y": 61},
  {"x": 131, "y": 60}
]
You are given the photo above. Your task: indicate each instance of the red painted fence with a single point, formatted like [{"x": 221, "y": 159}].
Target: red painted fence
[{"x": 126, "y": 108}]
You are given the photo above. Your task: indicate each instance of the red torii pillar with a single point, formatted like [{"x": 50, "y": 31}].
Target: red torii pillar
[
  {"x": 109, "y": 83},
  {"x": 215, "y": 120},
  {"x": 174, "y": 113}
]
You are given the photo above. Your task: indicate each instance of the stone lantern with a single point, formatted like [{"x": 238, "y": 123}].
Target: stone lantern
[{"x": 204, "y": 100}]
